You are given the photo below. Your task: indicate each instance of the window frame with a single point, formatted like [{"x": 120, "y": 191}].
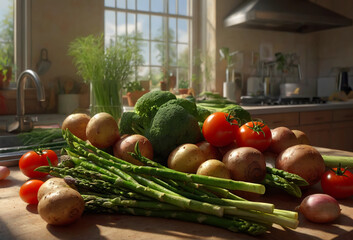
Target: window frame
[{"x": 190, "y": 17}]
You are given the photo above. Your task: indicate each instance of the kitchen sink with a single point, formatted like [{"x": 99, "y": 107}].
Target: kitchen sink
[{"x": 11, "y": 140}]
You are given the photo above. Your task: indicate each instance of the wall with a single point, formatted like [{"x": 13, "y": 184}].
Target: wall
[
  {"x": 318, "y": 52},
  {"x": 54, "y": 25}
]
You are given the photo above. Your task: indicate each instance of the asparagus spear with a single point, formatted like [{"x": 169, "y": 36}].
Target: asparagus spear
[
  {"x": 291, "y": 177},
  {"x": 280, "y": 182}
]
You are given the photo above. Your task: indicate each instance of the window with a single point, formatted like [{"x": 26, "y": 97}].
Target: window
[
  {"x": 163, "y": 29},
  {"x": 7, "y": 34}
]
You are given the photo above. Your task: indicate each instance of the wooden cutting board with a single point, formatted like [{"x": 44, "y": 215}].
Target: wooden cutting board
[{"x": 21, "y": 221}]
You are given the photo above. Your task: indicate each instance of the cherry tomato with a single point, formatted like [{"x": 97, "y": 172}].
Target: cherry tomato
[
  {"x": 33, "y": 159},
  {"x": 338, "y": 183},
  {"x": 219, "y": 129},
  {"x": 29, "y": 190},
  {"x": 254, "y": 134}
]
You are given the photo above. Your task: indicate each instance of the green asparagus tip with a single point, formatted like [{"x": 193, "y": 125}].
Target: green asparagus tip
[{"x": 45, "y": 169}]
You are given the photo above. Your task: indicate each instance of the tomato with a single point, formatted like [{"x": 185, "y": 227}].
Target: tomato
[
  {"x": 33, "y": 159},
  {"x": 338, "y": 183},
  {"x": 29, "y": 190},
  {"x": 254, "y": 134},
  {"x": 219, "y": 129}
]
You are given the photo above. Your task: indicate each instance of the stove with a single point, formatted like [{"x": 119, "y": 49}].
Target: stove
[{"x": 268, "y": 101}]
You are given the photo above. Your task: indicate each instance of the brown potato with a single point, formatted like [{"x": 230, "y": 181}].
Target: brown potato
[
  {"x": 102, "y": 130},
  {"x": 50, "y": 185},
  {"x": 211, "y": 152},
  {"x": 303, "y": 160},
  {"x": 282, "y": 138},
  {"x": 301, "y": 137},
  {"x": 61, "y": 206},
  {"x": 245, "y": 164},
  {"x": 186, "y": 158},
  {"x": 214, "y": 168},
  {"x": 76, "y": 123}
]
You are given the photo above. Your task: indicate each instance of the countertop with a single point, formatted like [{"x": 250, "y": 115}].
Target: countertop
[{"x": 21, "y": 221}]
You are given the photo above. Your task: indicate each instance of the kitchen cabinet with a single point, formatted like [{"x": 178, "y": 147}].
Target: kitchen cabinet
[{"x": 325, "y": 128}]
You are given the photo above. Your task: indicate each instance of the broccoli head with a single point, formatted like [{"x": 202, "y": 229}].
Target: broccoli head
[
  {"x": 148, "y": 105},
  {"x": 186, "y": 104},
  {"x": 202, "y": 113},
  {"x": 172, "y": 126},
  {"x": 130, "y": 123}
]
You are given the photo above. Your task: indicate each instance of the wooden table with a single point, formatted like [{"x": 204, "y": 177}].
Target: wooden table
[{"x": 21, "y": 221}]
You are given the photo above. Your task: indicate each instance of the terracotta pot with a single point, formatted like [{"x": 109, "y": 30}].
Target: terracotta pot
[
  {"x": 133, "y": 96},
  {"x": 183, "y": 91}
]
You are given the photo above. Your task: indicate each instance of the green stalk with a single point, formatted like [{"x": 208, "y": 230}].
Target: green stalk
[
  {"x": 160, "y": 196},
  {"x": 334, "y": 161}
]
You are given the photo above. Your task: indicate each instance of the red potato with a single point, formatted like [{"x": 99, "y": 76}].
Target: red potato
[
  {"x": 225, "y": 149},
  {"x": 4, "y": 172},
  {"x": 210, "y": 151},
  {"x": 303, "y": 160},
  {"x": 214, "y": 168},
  {"x": 245, "y": 164},
  {"x": 127, "y": 144},
  {"x": 282, "y": 138},
  {"x": 186, "y": 158}
]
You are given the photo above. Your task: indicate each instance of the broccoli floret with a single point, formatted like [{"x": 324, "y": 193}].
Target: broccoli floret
[
  {"x": 202, "y": 113},
  {"x": 237, "y": 111},
  {"x": 148, "y": 105},
  {"x": 171, "y": 127},
  {"x": 130, "y": 123},
  {"x": 186, "y": 104}
]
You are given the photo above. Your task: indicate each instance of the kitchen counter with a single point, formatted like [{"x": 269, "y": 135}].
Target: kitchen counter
[
  {"x": 268, "y": 109},
  {"x": 21, "y": 221}
]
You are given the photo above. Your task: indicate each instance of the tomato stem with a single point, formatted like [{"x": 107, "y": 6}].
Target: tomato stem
[
  {"x": 339, "y": 171},
  {"x": 257, "y": 127}
]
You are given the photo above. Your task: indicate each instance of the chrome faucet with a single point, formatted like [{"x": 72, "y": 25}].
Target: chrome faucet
[{"x": 25, "y": 123}]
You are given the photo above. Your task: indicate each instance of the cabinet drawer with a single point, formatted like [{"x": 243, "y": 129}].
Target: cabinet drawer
[
  {"x": 279, "y": 119},
  {"x": 343, "y": 115},
  {"x": 315, "y": 117}
]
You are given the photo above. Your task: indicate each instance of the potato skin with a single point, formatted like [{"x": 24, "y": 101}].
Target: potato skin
[
  {"x": 303, "y": 160},
  {"x": 214, "y": 168},
  {"x": 76, "y": 123},
  {"x": 61, "y": 207},
  {"x": 282, "y": 138},
  {"x": 186, "y": 158},
  {"x": 50, "y": 185},
  {"x": 245, "y": 164},
  {"x": 102, "y": 130},
  {"x": 301, "y": 136},
  {"x": 127, "y": 144}
]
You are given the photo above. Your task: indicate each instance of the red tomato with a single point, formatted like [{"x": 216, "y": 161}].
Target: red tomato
[
  {"x": 218, "y": 130},
  {"x": 338, "y": 183},
  {"x": 33, "y": 159},
  {"x": 29, "y": 190},
  {"x": 254, "y": 134}
]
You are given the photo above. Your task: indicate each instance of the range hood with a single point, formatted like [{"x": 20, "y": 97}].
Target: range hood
[{"x": 300, "y": 16}]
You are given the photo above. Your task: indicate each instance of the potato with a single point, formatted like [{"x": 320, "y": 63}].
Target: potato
[
  {"x": 301, "y": 137},
  {"x": 61, "y": 206},
  {"x": 282, "y": 138},
  {"x": 211, "y": 152},
  {"x": 76, "y": 123},
  {"x": 303, "y": 160},
  {"x": 186, "y": 158},
  {"x": 50, "y": 185},
  {"x": 102, "y": 130},
  {"x": 124, "y": 146},
  {"x": 214, "y": 168},
  {"x": 4, "y": 172},
  {"x": 245, "y": 164}
]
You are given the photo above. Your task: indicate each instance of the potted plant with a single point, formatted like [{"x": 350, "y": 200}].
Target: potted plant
[
  {"x": 107, "y": 67},
  {"x": 134, "y": 91},
  {"x": 183, "y": 86}
]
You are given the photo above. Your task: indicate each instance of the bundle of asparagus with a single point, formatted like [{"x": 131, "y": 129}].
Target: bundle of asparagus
[{"x": 112, "y": 185}]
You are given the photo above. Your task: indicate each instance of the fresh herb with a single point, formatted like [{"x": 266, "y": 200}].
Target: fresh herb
[{"x": 108, "y": 68}]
